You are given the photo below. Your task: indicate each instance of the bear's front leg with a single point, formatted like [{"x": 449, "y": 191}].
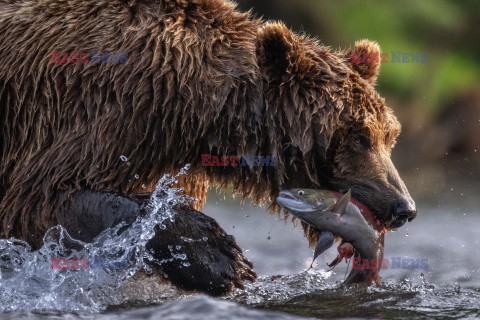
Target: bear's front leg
[{"x": 214, "y": 263}]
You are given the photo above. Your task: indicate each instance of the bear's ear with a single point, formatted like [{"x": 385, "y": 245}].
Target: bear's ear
[
  {"x": 285, "y": 56},
  {"x": 365, "y": 59}
]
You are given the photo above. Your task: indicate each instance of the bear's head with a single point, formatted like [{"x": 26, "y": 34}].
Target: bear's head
[{"x": 337, "y": 132}]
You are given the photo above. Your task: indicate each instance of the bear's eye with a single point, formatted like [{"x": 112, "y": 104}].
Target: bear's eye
[
  {"x": 301, "y": 192},
  {"x": 360, "y": 141}
]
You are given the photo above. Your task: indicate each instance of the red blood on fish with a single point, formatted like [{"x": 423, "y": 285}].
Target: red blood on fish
[{"x": 345, "y": 250}]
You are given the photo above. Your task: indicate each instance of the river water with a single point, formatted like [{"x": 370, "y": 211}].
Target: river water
[{"x": 446, "y": 238}]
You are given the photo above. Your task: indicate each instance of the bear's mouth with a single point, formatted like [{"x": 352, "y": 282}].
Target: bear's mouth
[{"x": 366, "y": 212}]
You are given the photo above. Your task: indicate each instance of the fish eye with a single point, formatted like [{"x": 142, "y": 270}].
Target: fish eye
[{"x": 301, "y": 192}]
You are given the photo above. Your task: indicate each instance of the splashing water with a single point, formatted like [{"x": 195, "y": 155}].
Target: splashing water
[
  {"x": 281, "y": 288},
  {"x": 28, "y": 280},
  {"x": 309, "y": 294}
]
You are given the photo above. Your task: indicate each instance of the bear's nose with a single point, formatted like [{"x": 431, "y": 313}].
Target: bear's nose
[{"x": 404, "y": 209}]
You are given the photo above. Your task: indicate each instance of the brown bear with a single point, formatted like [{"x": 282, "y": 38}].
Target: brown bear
[{"x": 201, "y": 78}]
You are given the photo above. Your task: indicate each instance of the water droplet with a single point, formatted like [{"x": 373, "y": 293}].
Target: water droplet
[
  {"x": 179, "y": 247},
  {"x": 137, "y": 176},
  {"x": 268, "y": 238},
  {"x": 123, "y": 158},
  {"x": 144, "y": 186}
]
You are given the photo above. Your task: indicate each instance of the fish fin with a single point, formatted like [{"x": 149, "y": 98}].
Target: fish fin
[
  {"x": 342, "y": 203},
  {"x": 335, "y": 262},
  {"x": 325, "y": 241}
]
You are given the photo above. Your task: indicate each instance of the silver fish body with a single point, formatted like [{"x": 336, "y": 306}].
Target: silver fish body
[{"x": 329, "y": 213}]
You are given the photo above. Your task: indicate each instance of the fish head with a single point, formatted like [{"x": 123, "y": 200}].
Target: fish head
[{"x": 303, "y": 202}]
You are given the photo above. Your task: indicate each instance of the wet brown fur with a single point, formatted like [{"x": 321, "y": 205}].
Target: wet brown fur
[{"x": 201, "y": 78}]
